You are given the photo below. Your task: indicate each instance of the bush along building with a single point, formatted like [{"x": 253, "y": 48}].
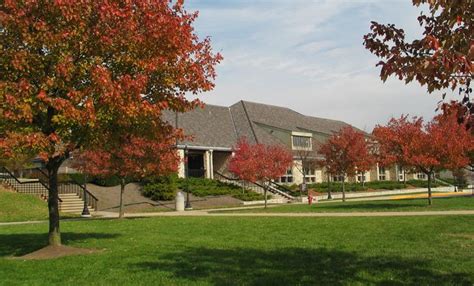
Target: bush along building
[{"x": 216, "y": 130}]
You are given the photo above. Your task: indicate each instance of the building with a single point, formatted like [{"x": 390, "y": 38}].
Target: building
[{"x": 216, "y": 130}]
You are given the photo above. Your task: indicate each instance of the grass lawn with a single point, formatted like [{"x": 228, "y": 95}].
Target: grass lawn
[
  {"x": 439, "y": 204},
  {"x": 249, "y": 251},
  {"x": 20, "y": 207}
]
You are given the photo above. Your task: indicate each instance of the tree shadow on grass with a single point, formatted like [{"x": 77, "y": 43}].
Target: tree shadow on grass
[
  {"x": 19, "y": 244},
  {"x": 294, "y": 266}
]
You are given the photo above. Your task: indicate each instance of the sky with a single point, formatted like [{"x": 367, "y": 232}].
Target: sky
[{"x": 308, "y": 56}]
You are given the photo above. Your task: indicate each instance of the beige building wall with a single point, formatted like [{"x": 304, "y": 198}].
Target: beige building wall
[
  {"x": 221, "y": 161},
  {"x": 181, "y": 163}
]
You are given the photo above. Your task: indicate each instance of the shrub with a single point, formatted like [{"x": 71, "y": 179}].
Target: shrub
[
  {"x": 201, "y": 187},
  {"x": 424, "y": 183},
  {"x": 106, "y": 181},
  {"x": 460, "y": 182},
  {"x": 161, "y": 188},
  {"x": 250, "y": 196}
]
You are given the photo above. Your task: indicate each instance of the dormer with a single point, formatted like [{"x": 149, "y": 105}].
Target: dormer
[{"x": 301, "y": 141}]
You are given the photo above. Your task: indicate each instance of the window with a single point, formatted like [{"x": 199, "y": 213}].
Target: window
[
  {"x": 401, "y": 174},
  {"x": 361, "y": 178},
  {"x": 288, "y": 177},
  {"x": 301, "y": 142},
  {"x": 382, "y": 176},
  {"x": 339, "y": 178},
  {"x": 421, "y": 176},
  {"x": 310, "y": 175}
]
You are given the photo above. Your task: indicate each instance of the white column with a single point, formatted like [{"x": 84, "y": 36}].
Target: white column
[
  {"x": 211, "y": 164},
  {"x": 378, "y": 174},
  {"x": 181, "y": 163},
  {"x": 207, "y": 164}
]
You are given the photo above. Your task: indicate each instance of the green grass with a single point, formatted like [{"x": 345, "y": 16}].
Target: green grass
[
  {"x": 439, "y": 204},
  {"x": 249, "y": 251},
  {"x": 21, "y": 207}
]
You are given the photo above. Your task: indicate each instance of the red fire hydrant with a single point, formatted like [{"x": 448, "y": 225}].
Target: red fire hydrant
[{"x": 310, "y": 199}]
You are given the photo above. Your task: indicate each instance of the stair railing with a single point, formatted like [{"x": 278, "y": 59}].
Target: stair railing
[
  {"x": 31, "y": 187},
  {"x": 71, "y": 187},
  {"x": 256, "y": 187}
]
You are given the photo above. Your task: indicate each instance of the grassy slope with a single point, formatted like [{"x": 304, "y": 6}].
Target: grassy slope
[
  {"x": 439, "y": 204},
  {"x": 249, "y": 251},
  {"x": 21, "y": 207}
]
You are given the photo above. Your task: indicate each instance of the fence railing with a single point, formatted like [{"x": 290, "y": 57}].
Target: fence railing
[
  {"x": 256, "y": 187},
  {"x": 68, "y": 186},
  {"x": 38, "y": 177},
  {"x": 24, "y": 186}
]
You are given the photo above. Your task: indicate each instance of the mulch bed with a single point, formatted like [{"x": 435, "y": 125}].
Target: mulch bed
[{"x": 52, "y": 252}]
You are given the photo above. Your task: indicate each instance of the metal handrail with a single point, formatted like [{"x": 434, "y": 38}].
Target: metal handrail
[
  {"x": 281, "y": 187},
  {"x": 17, "y": 181},
  {"x": 78, "y": 189},
  {"x": 271, "y": 188}
]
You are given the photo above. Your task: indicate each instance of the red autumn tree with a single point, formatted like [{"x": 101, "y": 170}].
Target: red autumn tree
[
  {"x": 441, "y": 58},
  {"x": 132, "y": 158},
  {"x": 440, "y": 144},
  {"x": 260, "y": 163},
  {"x": 344, "y": 152},
  {"x": 391, "y": 141},
  {"x": 73, "y": 69}
]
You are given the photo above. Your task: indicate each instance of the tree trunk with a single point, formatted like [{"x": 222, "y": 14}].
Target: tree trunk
[
  {"x": 265, "y": 195},
  {"x": 430, "y": 201},
  {"x": 404, "y": 178},
  {"x": 122, "y": 190},
  {"x": 54, "y": 236},
  {"x": 329, "y": 188},
  {"x": 363, "y": 180},
  {"x": 343, "y": 188}
]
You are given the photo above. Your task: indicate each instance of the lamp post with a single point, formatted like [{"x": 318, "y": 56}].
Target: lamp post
[
  {"x": 186, "y": 175},
  {"x": 85, "y": 210}
]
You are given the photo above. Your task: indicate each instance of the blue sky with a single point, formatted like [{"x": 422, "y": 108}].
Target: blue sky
[{"x": 308, "y": 56}]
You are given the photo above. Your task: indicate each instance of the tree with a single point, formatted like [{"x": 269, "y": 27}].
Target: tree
[
  {"x": 307, "y": 162},
  {"x": 72, "y": 70},
  {"x": 344, "y": 152},
  {"x": 440, "y": 144},
  {"x": 441, "y": 59},
  {"x": 260, "y": 163},
  {"x": 133, "y": 158},
  {"x": 391, "y": 140}
]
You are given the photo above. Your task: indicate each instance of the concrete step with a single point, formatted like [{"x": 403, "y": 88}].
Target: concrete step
[
  {"x": 76, "y": 211},
  {"x": 71, "y": 199},
  {"x": 75, "y": 205},
  {"x": 72, "y": 195}
]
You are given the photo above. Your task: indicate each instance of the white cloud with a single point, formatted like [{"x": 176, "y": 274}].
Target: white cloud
[{"x": 308, "y": 55}]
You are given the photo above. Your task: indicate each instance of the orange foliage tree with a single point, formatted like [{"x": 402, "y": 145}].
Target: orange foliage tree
[
  {"x": 443, "y": 143},
  {"x": 344, "y": 152},
  {"x": 73, "y": 72},
  {"x": 391, "y": 139},
  {"x": 441, "y": 58},
  {"x": 260, "y": 163},
  {"x": 131, "y": 158}
]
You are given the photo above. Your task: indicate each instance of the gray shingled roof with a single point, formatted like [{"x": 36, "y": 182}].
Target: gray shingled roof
[
  {"x": 218, "y": 126},
  {"x": 211, "y": 126}
]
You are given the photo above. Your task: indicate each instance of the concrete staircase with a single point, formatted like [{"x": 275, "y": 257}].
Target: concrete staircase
[
  {"x": 276, "y": 194},
  {"x": 72, "y": 203}
]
